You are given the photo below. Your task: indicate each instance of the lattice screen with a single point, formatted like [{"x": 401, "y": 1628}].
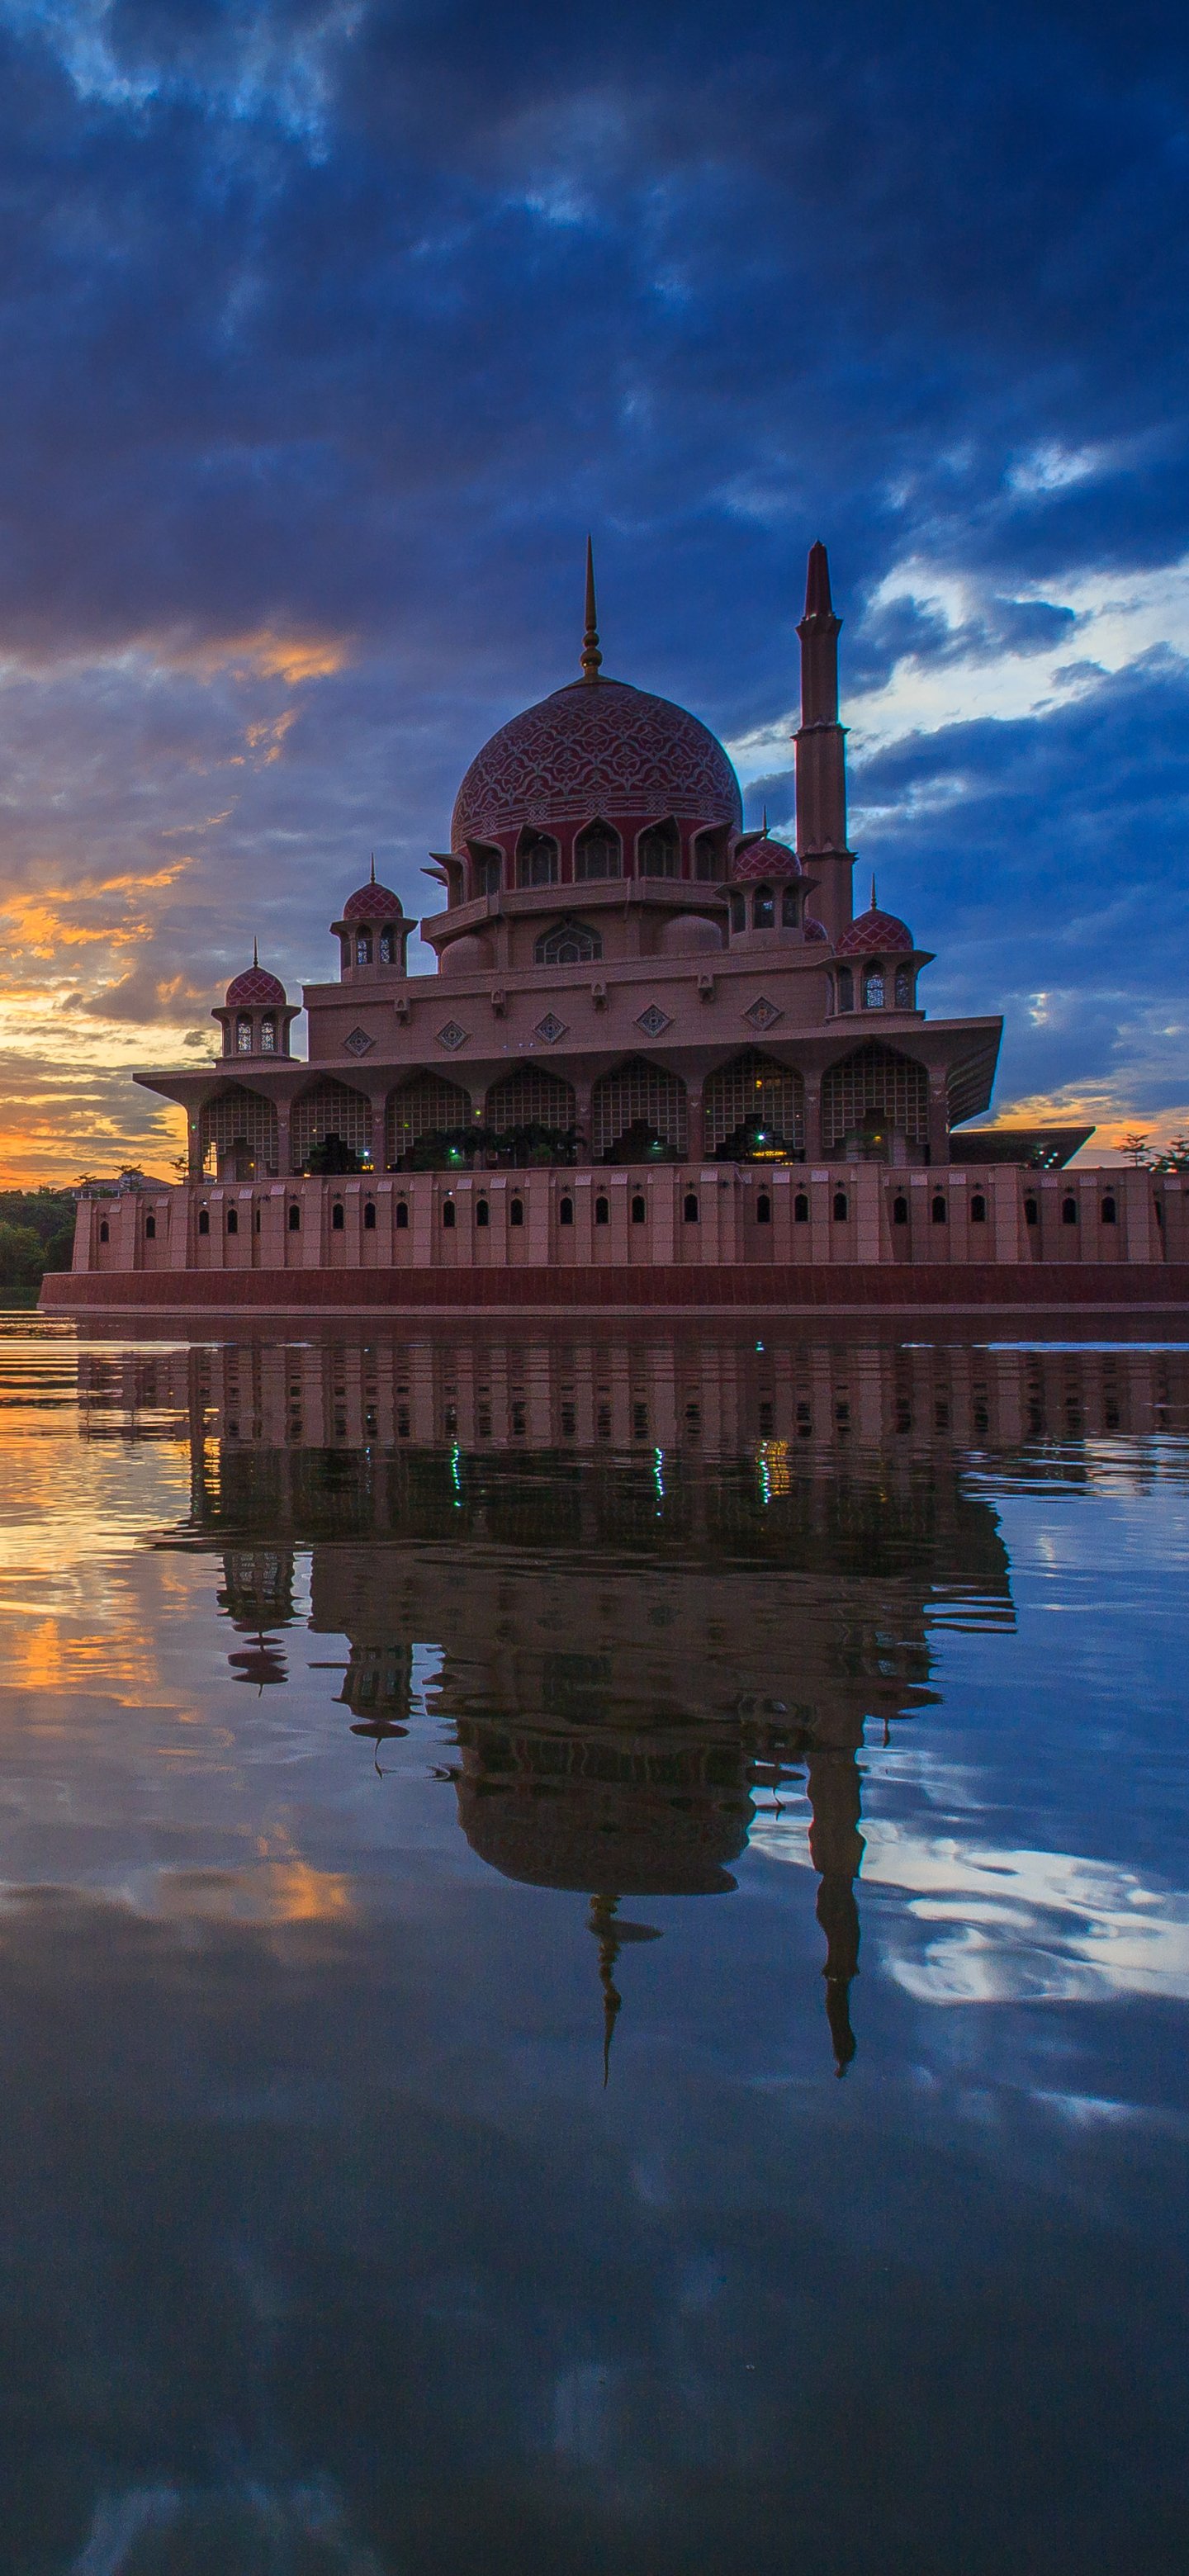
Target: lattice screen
[
  {"x": 530, "y": 1098},
  {"x": 428, "y": 1106},
  {"x": 639, "y": 1091},
  {"x": 240, "y": 1118},
  {"x": 330, "y": 1109},
  {"x": 753, "y": 1087},
  {"x": 875, "y": 1082}
]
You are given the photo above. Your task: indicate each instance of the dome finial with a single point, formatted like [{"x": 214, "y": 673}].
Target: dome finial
[
  {"x": 874, "y": 905},
  {"x": 372, "y": 878},
  {"x": 764, "y": 826},
  {"x": 255, "y": 952},
  {"x": 591, "y": 656}
]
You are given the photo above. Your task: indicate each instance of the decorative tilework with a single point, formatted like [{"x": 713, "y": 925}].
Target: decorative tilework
[
  {"x": 653, "y": 1020},
  {"x": 453, "y": 1035}
]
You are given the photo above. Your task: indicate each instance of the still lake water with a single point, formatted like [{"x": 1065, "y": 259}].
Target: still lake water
[{"x": 595, "y": 1958}]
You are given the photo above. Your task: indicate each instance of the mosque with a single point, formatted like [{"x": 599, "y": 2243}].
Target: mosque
[{"x": 660, "y": 1060}]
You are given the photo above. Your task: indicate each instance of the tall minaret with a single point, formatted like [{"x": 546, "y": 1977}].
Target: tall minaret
[{"x": 821, "y": 755}]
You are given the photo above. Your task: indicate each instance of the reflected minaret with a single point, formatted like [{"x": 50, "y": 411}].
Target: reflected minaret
[{"x": 836, "y": 1849}]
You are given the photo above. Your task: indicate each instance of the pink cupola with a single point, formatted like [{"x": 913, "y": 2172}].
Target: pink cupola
[
  {"x": 766, "y": 890},
  {"x": 877, "y": 962},
  {"x": 255, "y": 1015},
  {"x": 373, "y": 933}
]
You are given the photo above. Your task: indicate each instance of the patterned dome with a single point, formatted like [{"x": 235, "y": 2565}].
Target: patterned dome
[
  {"x": 758, "y": 856},
  {"x": 816, "y": 930},
  {"x": 596, "y": 747},
  {"x": 372, "y": 903},
  {"x": 256, "y": 986},
  {"x": 873, "y": 932}
]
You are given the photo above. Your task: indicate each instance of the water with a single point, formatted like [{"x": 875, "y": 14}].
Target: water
[{"x": 594, "y": 1948}]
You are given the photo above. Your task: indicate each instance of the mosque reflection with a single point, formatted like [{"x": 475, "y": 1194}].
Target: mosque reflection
[{"x": 644, "y": 1635}]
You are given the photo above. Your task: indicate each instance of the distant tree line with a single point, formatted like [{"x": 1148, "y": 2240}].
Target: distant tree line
[{"x": 36, "y": 1235}]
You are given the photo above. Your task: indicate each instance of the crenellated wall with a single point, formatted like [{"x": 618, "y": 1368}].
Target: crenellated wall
[{"x": 666, "y": 1217}]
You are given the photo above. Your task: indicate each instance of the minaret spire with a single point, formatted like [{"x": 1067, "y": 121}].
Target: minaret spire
[
  {"x": 821, "y": 753},
  {"x": 373, "y": 874},
  {"x": 255, "y": 952},
  {"x": 591, "y": 656}
]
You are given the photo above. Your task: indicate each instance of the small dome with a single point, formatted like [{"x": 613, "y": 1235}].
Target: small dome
[
  {"x": 759, "y": 858},
  {"x": 688, "y": 934},
  {"x": 875, "y": 931},
  {"x": 816, "y": 930},
  {"x": 468, "y": 955},
  {"x": 256, "y": 987},
  {"x": 373, "y": 903}
]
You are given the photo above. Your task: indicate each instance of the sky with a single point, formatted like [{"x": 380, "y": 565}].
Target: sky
[{"x": 328, "y": 328}]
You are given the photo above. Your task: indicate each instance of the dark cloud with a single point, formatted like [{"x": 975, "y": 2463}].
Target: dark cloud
[{"x": 347, "y": 321}]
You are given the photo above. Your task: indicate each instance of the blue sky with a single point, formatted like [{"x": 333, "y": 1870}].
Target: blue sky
[{"x": 327, "y": 331}]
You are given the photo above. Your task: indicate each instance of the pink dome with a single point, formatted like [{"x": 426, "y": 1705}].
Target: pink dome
[
  {"x": 256, "y": 986},
  {"x": 815, "y": 930},
  {"x": 873, "y": 932},
  {"x": 597, "y": 747},
  {"x": 758, "y": 857},
  {"x": 372, "y": 903},
  {"x": 688, "y": 934}
]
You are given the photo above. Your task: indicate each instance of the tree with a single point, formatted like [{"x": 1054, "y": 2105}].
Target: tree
[{"x": 1136, "y": 1149}]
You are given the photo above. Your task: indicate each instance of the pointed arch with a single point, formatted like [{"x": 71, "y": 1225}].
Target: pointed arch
[
  {"x": 874, "y": 1088},
  {"x": 658, "y": 850},
  {"x": 753, "y": 1092},
  {"x": 638, "y": 1109},
  {"x": 425, "y": 1105},
  {"x": 330, "y": 1108},
  {"x": 238, "y": 1136},
  {"x": 598, "y": 852}
]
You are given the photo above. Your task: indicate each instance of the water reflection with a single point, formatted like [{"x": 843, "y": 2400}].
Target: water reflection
[
  {"x": 375, "y": 1722},
  {"x": 638, "y": 1646}
]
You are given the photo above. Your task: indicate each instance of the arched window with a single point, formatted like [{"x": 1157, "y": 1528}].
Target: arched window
[
  {"x": 243, "y": 1034},
  {"x": 268, "y": 1035},
  {"x": 345, "y": 951},
  {"x": 639, "y": 1210},
  {"x": 204, "y": 1224},
  {"x": 482, "y": 1212},
  {"x": 763, "y": 909},
  {"x": 150, "y": 1228},
  {"x": 516, "y": 1212},
  {"x": 790, "y": 908},
  {"x": 637, "y": 1111},
  {"x": 448, "y": 1214},
  {"x": 690, "y": 1209},
  {"x": 938, "y": 1210},
  {"x": 1108, "y": 1211},
  {"x": 487, "y": 871},
  {"x": 801, "y": 1208},
  {"x": 738, "y": 912},
  {"x": 294, "y": 1217},
  {"x": 337, "y": 1218},
  {"x": 846, "y": 989},
  {"x": 232, "y": 1220},
  {"x": 427, "y": 1105},
  {"x": 978, "y": 1209},
  {"x": 753, "y": 1102},
  {"x": 363, "y": 948},
  {"x": 369, "y": 1216},
  {"x": 710, "y": 859},
  {"x": 389, "y": 945},
  {"x": 763, "y": 1209},
  {"x": 1069, "y": 1211},
  {"x": 569, "y": 943},
  {"x": 900, "y": 1211},
  {"x": 658, "y": 851},
  {"x": 565, "y": 1213},
  {"x": 873, "y": 988},
  {"x": 402, "y": 1216},
  {"x": 602, "y": 1212},
  {"x": 538, "y": 859},
  {"x": 877, "y": 1092},
  {"x": 903, "y": 989},
  {"x": 1031, "y": 1212},
  {"x": 105, "y": 1229},
  {"x": 841, "y": 1210},
  {"x": 598, "y": 852}
]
